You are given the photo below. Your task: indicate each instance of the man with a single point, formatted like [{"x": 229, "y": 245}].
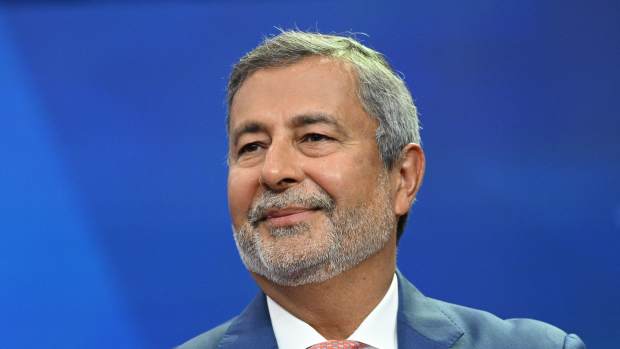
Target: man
[{"x": 324, "y": 165}]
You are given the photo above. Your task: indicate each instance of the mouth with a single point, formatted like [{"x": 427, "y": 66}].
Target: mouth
[{"x": 287, "y": 216}]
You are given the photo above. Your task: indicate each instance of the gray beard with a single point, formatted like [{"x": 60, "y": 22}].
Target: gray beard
[{"x": 354, "y": 234}]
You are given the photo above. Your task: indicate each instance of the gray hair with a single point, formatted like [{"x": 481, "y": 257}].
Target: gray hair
[{"x": 381, "y": 91}]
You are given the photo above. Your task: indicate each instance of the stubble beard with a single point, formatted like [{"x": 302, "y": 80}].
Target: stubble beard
[{"x": 351, "y": 235}]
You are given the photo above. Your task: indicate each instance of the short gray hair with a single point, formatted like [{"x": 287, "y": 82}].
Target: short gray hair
[{"x": 382, "y": 92}]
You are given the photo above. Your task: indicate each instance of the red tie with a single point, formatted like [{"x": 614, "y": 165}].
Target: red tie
[{"x": 335, "y": 344}]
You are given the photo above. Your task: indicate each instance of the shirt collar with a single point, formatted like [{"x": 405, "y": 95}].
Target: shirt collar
[{"x": 377, "y": 330}]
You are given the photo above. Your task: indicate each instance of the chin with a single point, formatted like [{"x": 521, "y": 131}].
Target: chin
[{"x": 302, "y": 276}]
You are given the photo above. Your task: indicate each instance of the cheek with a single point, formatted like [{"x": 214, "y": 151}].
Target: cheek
[
  {"x": 350, "y": 179},
  {"x": 242, "y": 187},
  {"x": 343, "y": 179},
  {"x": 331, "y": 180}
]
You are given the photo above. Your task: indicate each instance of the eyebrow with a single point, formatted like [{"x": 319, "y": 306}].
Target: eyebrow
[
  {"x": 316, "y": 118},
  {"x": 248, "y": 127},
  {"x": 296, "y": 122}
]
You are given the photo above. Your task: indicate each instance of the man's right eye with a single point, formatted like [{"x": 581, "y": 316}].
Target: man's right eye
[{"x": 248, "y": 148}]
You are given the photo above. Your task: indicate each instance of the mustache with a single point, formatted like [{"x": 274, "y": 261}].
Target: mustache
[{"x": 270, "y": 200}]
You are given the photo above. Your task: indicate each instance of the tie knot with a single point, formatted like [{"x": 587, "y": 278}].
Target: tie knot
[{"x": 336, "y": 344}]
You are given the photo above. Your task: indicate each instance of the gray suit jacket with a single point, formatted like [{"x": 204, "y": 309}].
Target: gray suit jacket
[{"x": 423, "y": 323}]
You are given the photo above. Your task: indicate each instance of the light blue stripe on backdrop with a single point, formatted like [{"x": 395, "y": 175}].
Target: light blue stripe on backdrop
[{"x": 56, "y": 290}]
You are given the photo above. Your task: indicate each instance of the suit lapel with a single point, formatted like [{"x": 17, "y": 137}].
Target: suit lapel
[
  {"x": 251, "y": 329},
  {"x": 421, "y": 323}
]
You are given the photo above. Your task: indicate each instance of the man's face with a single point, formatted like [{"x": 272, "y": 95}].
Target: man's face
[{"x": 308, "y": 193}]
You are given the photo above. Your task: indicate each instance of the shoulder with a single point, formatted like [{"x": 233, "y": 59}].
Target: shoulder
[
  {"x": 485, "y": 330},
  {"x": 207, "y": 340}
]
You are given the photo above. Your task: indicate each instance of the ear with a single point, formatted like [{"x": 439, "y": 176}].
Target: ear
[{"x": 408, "y": 174}]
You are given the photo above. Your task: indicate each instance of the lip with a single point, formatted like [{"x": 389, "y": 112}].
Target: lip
[{"x": 287, "y": 216}]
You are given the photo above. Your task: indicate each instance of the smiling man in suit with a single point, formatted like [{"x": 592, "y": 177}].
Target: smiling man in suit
[{"x": 324, "y": 164}]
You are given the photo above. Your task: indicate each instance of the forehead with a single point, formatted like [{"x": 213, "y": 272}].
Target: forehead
[{"x": 313, "y": 85}]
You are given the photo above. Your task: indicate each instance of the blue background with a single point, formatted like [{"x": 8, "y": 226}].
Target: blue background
[{"x": 113, "y": 215}]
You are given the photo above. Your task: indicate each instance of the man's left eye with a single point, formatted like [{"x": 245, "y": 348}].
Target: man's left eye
[{"x": 315, "y": 137}]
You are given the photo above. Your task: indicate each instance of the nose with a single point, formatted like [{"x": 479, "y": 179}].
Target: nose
[{"x": 281, "y": 168}]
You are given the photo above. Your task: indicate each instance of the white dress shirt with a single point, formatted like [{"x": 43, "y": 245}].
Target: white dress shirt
[{"x": 378, "y": 330}]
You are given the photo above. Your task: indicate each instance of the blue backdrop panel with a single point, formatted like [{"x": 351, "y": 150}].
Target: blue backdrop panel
[{"x": 114, "y": 228}]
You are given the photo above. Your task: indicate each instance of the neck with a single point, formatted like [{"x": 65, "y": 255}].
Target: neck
[{"x": 336, "y": 307}]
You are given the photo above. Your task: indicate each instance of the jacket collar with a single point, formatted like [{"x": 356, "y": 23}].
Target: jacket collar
[
  {"x": 252, "y": 328},
  {"x": 421, "y": 323}
]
